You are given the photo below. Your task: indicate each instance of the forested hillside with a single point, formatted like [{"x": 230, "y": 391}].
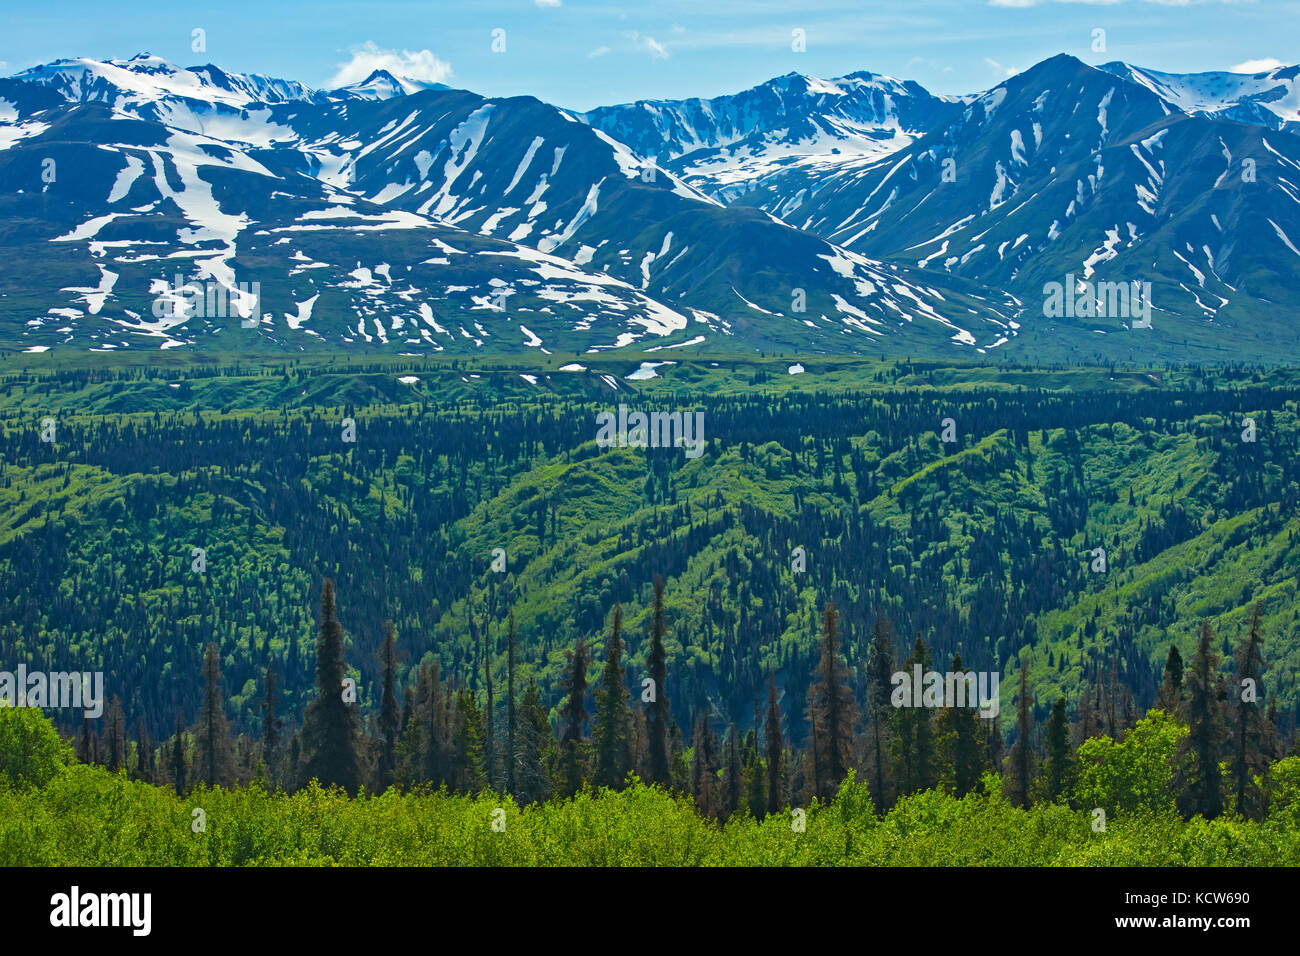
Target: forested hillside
[{"x": 476, "y": 513}]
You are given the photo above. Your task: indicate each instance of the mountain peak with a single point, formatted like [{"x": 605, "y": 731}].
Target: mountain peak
[
  {"x": 1060, "y": 62},
  {"x": 379, "y": 85},
  {"x": 145, "y": 79},
  {"x": 145, "y": 62},
  {"x": 383, "y": 85},
  {"x": 1271, "y": 98}
]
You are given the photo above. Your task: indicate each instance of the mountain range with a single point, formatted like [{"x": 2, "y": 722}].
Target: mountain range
[{"x": 804, "y": 216}]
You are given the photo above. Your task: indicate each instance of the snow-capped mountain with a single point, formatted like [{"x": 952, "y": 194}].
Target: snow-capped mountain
[
  {"x": 522, "y": 170},
  {"x": 1269, "y": 99},
  {"x": 143, "y": 80},
  {"x": 301, "y": 195},
  {"x": 1067, "y": 170},
  {"x": 720, "y": 145},
  {"x": 382, "y": 85},
  {"x": 859, "y": 215},
  {"x": 136, "y": 211}
]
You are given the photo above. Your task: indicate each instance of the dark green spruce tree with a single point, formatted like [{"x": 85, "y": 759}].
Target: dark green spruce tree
[
  {"x": 911, "y": 737},
  {"x": 271, "y": 725},
  {"x": 511, "y": 716},
  {"x": 329, "y": 725},
  {"x": 733, "y": 792},
  {"x": 1020, "y": 761},
  {"x": 775, "y": 745},
  {"x": 533, "y": 746},
  {"x": 1058, "y": 772},
  {"x": 389, "y": 718},
  {"x": 755, "y": 785},
  {"x": 880, "y": 672},
  {"x": 657, "y": 716},
  {"x": 177, "y": 764},
  {"x": 116, "y": 736},
  {"x": 959, "y": 728},
  {"x": 612, "y": 731},
  {"x": 435, "y": 723},
  {"x": 489, "y": 715},
  {"x": 573, "y": 743},
  {"x": 704, "y": 768},
  {"x": 1201, "y": 786},
  {"x": 468, "y": 771},
  {"x": 216, "y": 762},
  {"x": 1252, "y": 731},
  {"x": 1170, "y": 696},
  {"x": 834, "y": 711},
  {"x": 144, "y": 754}
]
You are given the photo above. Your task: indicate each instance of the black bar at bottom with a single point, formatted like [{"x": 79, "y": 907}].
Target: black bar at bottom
[{"x": 343, "y": 905}]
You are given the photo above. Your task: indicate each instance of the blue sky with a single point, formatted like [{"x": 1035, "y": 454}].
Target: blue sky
[{"x": 582, "y": 53}]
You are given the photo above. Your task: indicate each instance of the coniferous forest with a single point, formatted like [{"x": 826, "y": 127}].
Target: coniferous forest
[{"x": 413, "y": 613}]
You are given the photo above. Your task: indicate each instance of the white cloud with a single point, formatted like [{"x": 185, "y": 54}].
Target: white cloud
[
  {"x": 657, "y": 50},
  {"x": 1006, "y": 71},
  {"x": 599, "y": 51},
  {"x": 548, "y": 3},
  {"x": 368, "y": 57},
  {"x": 1257, "y": 66}
]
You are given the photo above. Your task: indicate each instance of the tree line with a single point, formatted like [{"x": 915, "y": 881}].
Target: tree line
[{"x": 432, "y": 734}]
